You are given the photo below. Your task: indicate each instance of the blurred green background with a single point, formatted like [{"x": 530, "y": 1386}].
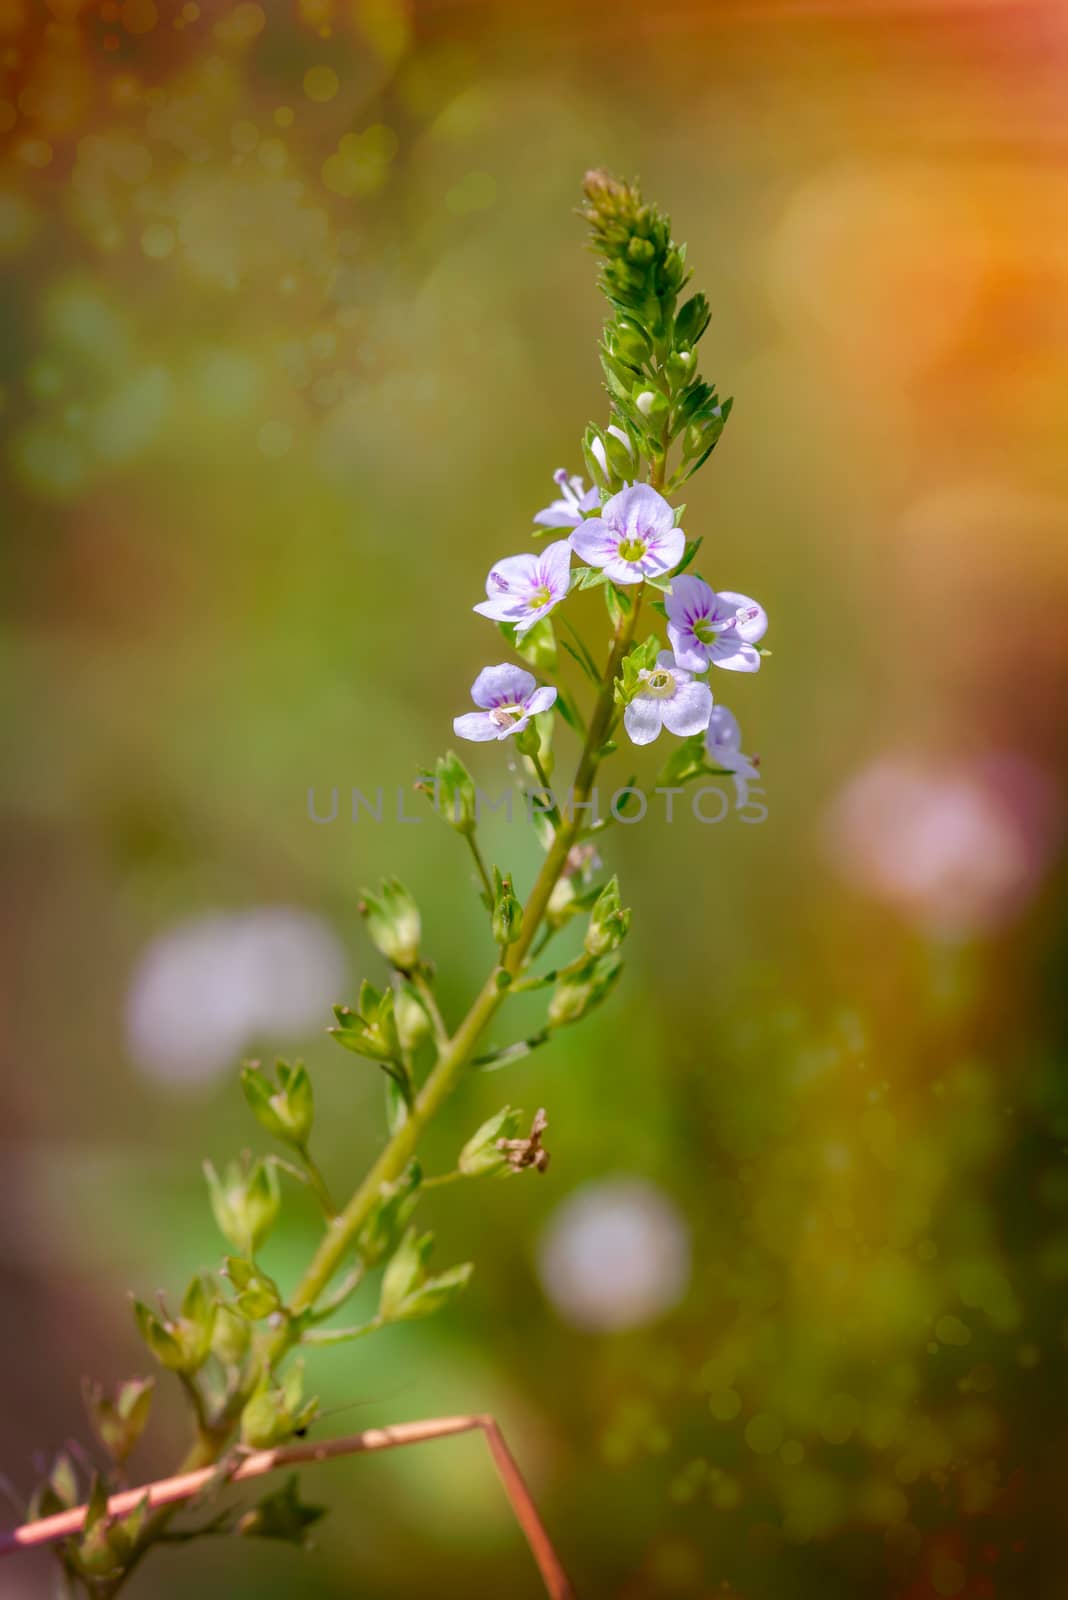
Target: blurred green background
[{"x": 297, "y": 322}]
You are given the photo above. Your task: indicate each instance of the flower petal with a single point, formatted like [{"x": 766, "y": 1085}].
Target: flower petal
[
  {"x": 639, "y": 512},
  {"x": 688, "y": 599},
  {"x": 724, "y": 736},
  {"x": 665, "y": 551},
  {"x": 506, "y": 608},
  {"x": 753, "y": 625},
  {"x": 688, "y": 710},
  {"x": 502, "y": 685},
  {"x": 594, "y": 541},
  {"x": 554, "y": 568},
  {"x": 642, "y": 719},
  {"x": 733, "y": 654},
  {"x": 666, "y": 660},
  {"x": 541, "y": 700},
  {"x": 526, "y": 621},
  {"x": 561, "y": 514},
  {"x": 478, "y": 725},
  {"x": 690, "y": 653},
  {"x": 621, "y": 571},
  {"x": 515, "y": 575}
]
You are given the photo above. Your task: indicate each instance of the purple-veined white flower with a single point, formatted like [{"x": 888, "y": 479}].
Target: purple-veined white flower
[
  {"x": 523, "y": 589},
  {"x": 573, "y": 503},
  {"x": 705, "y": 627},
  {"x": 723, "y": 742},
  {"x": 668, "y": 698},
  {"x": 509, "y": 697},
  {"x": 635, "y": 536}
]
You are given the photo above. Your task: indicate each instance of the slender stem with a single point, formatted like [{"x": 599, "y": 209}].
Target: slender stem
[
  {"x": 443, "y": 1178},
  {"x": 557, "y": 854},
  {"x": 552, "y": 811},
  {"x": 487, "y": 882},
  {"x": 426, "y": 994},
  {"x": 318, "y": 1184}
]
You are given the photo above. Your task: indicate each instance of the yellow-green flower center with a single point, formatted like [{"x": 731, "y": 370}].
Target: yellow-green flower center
[
  {"x": 704, "y": 631},
  {"x": 504, "y": 716},
  {"x": 539, "y": 597},
  {"x": 632, "y": 549},
  {"x": 660, "y": 683}
]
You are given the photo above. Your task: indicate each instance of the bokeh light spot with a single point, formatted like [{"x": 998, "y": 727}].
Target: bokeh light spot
[
  {"x": 242, "y": 24},
  {"x": 763, "y": 1433},
  {"x": 839, "y": 1419},
  {"x": 157, "y": 240},
  {"x": 35, "y": 152},
  {"x": 724, "y": 1404},
  {"x": 475, "y": 192},
  {"x": 948, "y": 1577},
  {"x": 321, "y": 83}
]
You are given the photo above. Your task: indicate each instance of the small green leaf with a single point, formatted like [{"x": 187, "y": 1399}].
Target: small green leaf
[{"x": 281, "y": 1515}]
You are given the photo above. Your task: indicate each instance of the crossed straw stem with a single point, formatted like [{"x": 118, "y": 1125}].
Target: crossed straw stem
[{"x": 172, "y": 1491}]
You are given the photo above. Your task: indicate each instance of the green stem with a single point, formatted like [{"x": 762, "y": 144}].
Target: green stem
[
  {"x": 426, "y": 994},
  {"x": 487, "y": 883},
  {"x": 552, "y": 811},
  {"x": 318, "y": 1184},
  {"x": 443, "y": 1178}
]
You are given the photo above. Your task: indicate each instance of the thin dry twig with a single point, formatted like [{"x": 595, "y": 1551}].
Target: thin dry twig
[{"x": 169, "y": 1491}]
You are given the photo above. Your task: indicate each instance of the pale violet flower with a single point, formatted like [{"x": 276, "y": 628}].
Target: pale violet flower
[
  {"x": 634, "y": 537},
  {"x": 523, "y": 589},
  {"x": 509, "y": 697},
  {"x": 705, "y": 627},
  {"x": 668, "y": 698},
  {"x": 207, "y": 989},
  {"x": 723, "y": 742},
  {"x": 574, "y": 502}
]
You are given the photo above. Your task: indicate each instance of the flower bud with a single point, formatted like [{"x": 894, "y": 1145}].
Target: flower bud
[
  {"x": 651, "y": 403},
  {"x": 691, "y": 322},
  {"x": 629, "y": 342},
  {"x": 245, "y": 1201},
  {"x": 413, "y": 1024},
  {"x": 481, "y": 1154},
  {"x": 231, "y": 1338},
  {"x": 453, "y": 789},
  {"x": 285, "y": 1110},
  {"x": 507, "y": 911},
  {"x": 392, "y": 919},
  {"x": 372, "y": 1029},
  {"x": 273, "y": 1414},
  {"x": 608, "y": 923},
  {"x": 257, "y": 1295},
  {"x": 119, "y": 1422},
  {"x": 407, "y": 1292},
  {"x": 389, "y": 1217},
  {"x": 182, "y": 1343},
  {"x": 584, "y": 987}
]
